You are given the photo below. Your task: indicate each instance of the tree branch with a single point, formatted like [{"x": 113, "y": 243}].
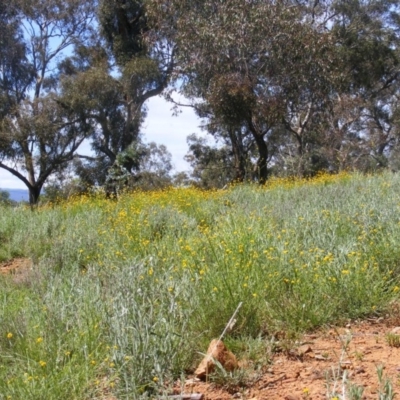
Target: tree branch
[{"x": 16, "y": 174}]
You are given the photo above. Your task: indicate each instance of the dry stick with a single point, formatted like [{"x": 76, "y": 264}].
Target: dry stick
[{"x": 229, "y": 324}]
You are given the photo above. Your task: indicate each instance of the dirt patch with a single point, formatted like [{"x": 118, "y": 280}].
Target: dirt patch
[
  {"x": 311, "y": 370},
  {"x": 19, "y": 269}
]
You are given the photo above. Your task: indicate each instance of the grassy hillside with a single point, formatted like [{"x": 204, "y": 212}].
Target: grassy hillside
[{"x": 126, "y": 293}]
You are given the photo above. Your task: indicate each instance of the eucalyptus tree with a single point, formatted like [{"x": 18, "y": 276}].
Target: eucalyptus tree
[
  {"x": 249, "y": 61},
  {"x": 155, "y": 167},
  {"x": 16, "y": 73},
  {"x": 320, "y": 78},
  {"x": 39, "y": 134},
  {"x": 90, "y": 86},
  {"x": 116, "y": 94},
  {"x": 362, "y": 122},
  {"x": 111, "y": 79},
  {"x": 212, "y": 167}
]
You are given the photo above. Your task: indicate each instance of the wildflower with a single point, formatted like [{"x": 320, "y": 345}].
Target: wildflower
[
  {"x": 39, "y": 340},
  {"x": 155, "y": 379},
  {"x": 9, "y": 335},
  {"x": 42, "y": 363},
  {"x": 345, "y": 271}
]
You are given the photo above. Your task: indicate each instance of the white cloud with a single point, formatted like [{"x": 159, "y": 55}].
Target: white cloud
[
  {"x": 9, "y": 181},
  {"x": 160, "y": 126}
]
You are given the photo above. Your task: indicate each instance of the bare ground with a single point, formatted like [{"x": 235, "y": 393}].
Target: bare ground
[
  {"x": 19, "y": 269},
  {"x": 316, "y": 366}
]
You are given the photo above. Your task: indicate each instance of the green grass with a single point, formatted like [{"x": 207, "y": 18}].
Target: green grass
[{"x": 127, "y": 293}]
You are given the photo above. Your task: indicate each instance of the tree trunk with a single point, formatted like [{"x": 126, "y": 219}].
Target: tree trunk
[
  {"x": 262, "y": 162},
  {"x": 238, "y": 155},
  {"x": 300, "y": 154},
  {"x": 262, "y": 168},
  {"x": 34, "y": 193}
]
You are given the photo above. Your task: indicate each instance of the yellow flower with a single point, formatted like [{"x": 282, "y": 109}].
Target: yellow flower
[
  {"x": 42, "y": 363},
  {"x": 345, "y": 271},
  {"x": 155, "y": 379},
  {"x": 9, "y": 335},
  {"x": 39, "y": 340}
]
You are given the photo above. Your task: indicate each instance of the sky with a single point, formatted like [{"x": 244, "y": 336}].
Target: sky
[{"x": 160, "y": 126}]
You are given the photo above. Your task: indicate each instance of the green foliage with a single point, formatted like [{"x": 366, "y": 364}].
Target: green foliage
[
  {"x": 123, "y": 26},
  {"x": 386, "y": 391},
  {"x": 39, "y": 134},
  {"x": 393, "y": 340},
  {"x": 4, "y": 196},
  {"x": 313, "y": 84},
  {"x": 211, "y": 167}
]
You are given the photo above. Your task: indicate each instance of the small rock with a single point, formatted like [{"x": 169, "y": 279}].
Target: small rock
[
  {"x": 313, "y": 336},
  {"x": 295, "y": 375},
  {"x": 292, "y": 397},
  {"x": 192, "y": 381},
  {"x": 304, "y": 349},
  {"x": 395, "y": 330},
  {"x": 360, "y": 370},
  {"x": 316, "y": 374},
  {"x": 218, "y": 352}
]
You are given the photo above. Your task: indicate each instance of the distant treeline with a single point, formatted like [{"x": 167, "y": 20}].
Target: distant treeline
[{"x": 288, "y": 87}]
